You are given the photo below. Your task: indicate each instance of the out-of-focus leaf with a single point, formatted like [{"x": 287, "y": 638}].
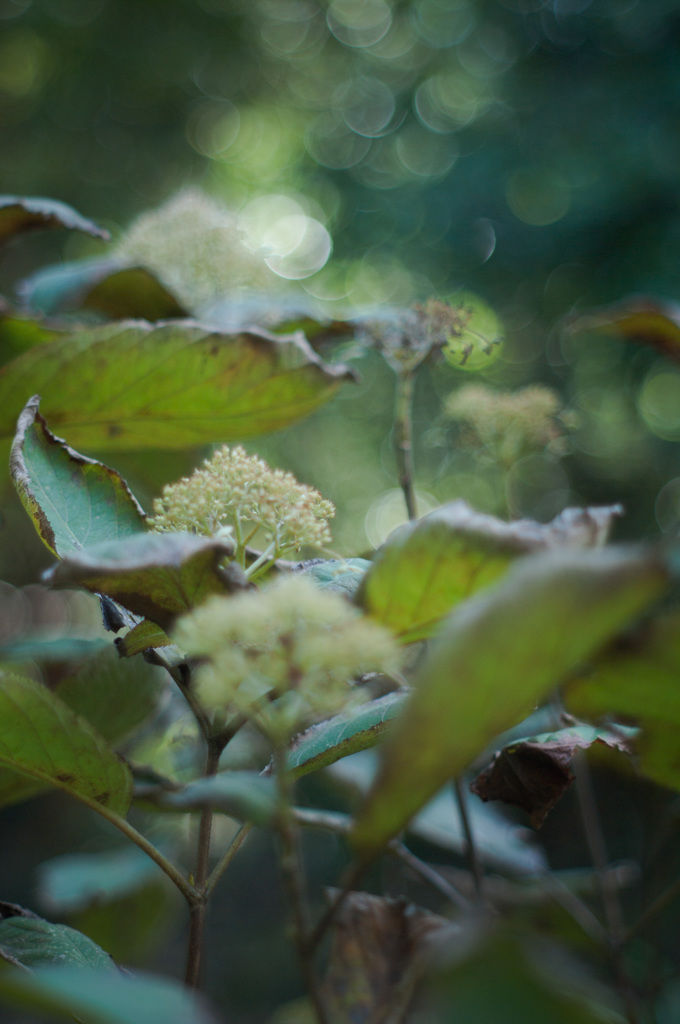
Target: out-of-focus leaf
[
  {"x": 244, "y": 795},
  {"x": 534, "y": 773},
  {"x": 114, "y": 696},
  {"x": 133, "y": 385},
  {"x": 501, "y": 844},
  {"x": 327, "y": 742},
  {"x": 504, "y": 976},
  {"x": 156, "y": 575},
  {"x": 340, "y": 574},
  {"x": 375, "y": 943},
  {"x": 140, "y": 638},
  {"x": 46, "y": 649},
  {"x": 42, "y": 738},
  {"x": 73, "y": 501},
  {"x": 107, "y": 997},
  {"x": 27, "y": 213},
  {"x": 105, "y": 285},
  {"x": 134, "y": 927},
  {"x": 277, "y": 314},
  {"x": 636, "y": 679},
  {"x": 426, "y": 567},
  {"x": 646, "y": 321},
  {"x": 77, "y": 880},
  {"x": 35, "y": 942},
  {"x": 496, "y": 656}
]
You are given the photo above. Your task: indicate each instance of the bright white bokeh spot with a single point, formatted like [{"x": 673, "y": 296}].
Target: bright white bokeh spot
[{"x": 294, "y": 243}]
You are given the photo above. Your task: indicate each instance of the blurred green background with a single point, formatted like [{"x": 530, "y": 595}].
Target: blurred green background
[{"x": 526, "y": 151}]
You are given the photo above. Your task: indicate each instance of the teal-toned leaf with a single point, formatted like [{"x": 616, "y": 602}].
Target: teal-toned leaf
[
  {"x": 134, "y": 385},
  {"x": 77, "y": 880},
  {"x": 73, "y": 501},
  {"x": 428, "y": 566},
  {"x": 342, "y": 575},
  {"x": 34, "y": 942},
  {"x": 28, "y": 213},
  {"x": 104, "y": 997},
  {"x": 495, "y": 658},
  {"x": 42, "y": 738},
  {"x": 244, "y": 795},
  {"x": 636, "y": 679},
  {"x": 155, "y": 575},
  {"x": 49, "y": 649},
  {"x": 535, "y": 772},
  {"x": 327, "y": 742},
  {"x": 106, "y": 285}
]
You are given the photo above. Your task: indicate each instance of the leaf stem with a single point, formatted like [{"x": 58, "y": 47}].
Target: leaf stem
[{"x": 403, "y": 438}]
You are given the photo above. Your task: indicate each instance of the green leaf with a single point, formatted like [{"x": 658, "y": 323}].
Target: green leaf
[
  {"x": 18, "y": 333},
  {"x": 42, "y": 738},
  {"x": 636, "y": 678},
  {"x": 105, "y": 285},
  {"x": 77, "y": 880},
  {"x": 35, "y": 942},
  {"x": 535, "y": 772},
  {"x": 497, "y": 656},
  {"x": 24, "y": 213},
  {"x": 155, "y": 575},
  {"x": 133, "y": 385},
  {"x": 73, "y": 501},
  {"x": 342, "y": 575},
  {"x": 46, "y": 649},
  {"x": 104, "y": 997},
  {"x": 146, "y": 634},
  {"x": 327, "y": 742},
  {"x": 115, "y": 696},
  {"x": 247, "y": 796},
  {"x": 426, "y": 567}
]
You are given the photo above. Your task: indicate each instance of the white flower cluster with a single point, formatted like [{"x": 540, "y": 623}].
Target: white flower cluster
[
  {"x": 195, "y": 246},
  {"x": 240, "y": 490},
  {"x": 292, "y": 644},
  {"x": 510, "y": 424}
]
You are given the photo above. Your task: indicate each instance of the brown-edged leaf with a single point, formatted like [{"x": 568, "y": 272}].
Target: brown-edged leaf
[
  {"x": 155, "y": 575},
  {"x": 27, "y": 213},
  {"x": 378, "y": 952},
  {"x": 534, "y": 773},
  {"x": 646, "y": 321}
]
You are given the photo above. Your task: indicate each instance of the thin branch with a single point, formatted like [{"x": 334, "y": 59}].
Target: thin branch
[
  {"x": 403, "y": 438},
  {"x": 198, "y": 909},
  {"x": 429, "y": 874},
  {"x": 291, "y": 868},
  {"x": 606, "y": 883},
  {"x": 655, "y": 908},
  {"x": 471, "y": 847},
  {"x": 349, "y": 883},
  {"x": 226, "y": 859}
]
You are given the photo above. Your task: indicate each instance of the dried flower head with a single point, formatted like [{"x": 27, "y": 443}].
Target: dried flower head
[
  {"x": 290, "y": 642},
  {"x": 510, "y": 424},
  {"x": 234, "y": 489},
  {"x": 196, "y": 247}
]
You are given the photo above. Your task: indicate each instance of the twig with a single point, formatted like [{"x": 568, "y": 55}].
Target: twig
[
  {"x": 198, "y": 908},
  {"x": 471, "y": 846},
  {"x": 349, "y": 883},
  {"x": 606, "y": 883},
  {"x": 403, "y": 438},
  {"x": 656, "y": 907},
  {"x": 291, "y": 868},
  {"x": 226, "y": 859}
]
